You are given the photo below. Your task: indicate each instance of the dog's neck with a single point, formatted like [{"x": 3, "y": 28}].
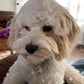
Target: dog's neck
[
  {"x": 42, "y": 64},
  {"x": 35, "y": 67},
  {"x": 53, "y": 69},
  {"x": 39, "y": 68}
]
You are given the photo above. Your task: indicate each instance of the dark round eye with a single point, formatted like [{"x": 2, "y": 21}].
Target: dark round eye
[
  {"x": 26, "y": 27},
  {"x": 47, "y": 28}
]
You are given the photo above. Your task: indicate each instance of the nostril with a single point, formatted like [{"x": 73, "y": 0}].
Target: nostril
[{"x": 31, "y": 48}]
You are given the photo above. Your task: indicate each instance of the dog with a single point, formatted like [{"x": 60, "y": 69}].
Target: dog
[{"x": 43, "y": 33}]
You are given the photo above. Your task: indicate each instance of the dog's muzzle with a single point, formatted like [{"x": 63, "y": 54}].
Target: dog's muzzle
[{"x": 31, "y": 49}]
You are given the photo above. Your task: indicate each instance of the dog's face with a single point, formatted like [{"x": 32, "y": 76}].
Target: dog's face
[{"x": 42, "y": 31}]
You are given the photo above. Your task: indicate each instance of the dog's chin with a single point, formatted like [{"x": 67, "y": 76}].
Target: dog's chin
[{"x": 36, "y": 58}]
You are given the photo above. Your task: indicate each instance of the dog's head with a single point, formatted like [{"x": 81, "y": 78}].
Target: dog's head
[{"x": 43, "y": 29}]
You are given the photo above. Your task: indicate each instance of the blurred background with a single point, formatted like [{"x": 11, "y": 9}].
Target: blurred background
[{"x": 8, "y": 8}]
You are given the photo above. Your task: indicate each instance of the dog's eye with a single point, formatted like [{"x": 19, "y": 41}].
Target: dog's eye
[
  {"x": 26, "y": 27},
  {"x": 47, "y": 28}
]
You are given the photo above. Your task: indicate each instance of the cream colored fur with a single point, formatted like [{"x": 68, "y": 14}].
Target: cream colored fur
[
  {"x": 22, "y": 72},
  {"x": 56, "y": 44}
]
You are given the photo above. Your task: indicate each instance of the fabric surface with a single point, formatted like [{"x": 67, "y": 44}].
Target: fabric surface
[
  {"x": 4, "y": 33},
  {"x": 79, "y": 64},
  {"x": 1, "y": 28}
]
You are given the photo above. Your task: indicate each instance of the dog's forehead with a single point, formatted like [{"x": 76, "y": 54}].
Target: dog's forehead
[
  {"x": 33, "y": 6},
  {"x": 41, "y": 7},
  {"x": 26, "y": 19},
  {"x": 38, "y": 10}
]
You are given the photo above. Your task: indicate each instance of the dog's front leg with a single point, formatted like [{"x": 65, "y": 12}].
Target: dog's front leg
[
  {"x": 72, "y": 76},
  {"x": 12, "y": 79},
  {"x": 14, "y": 76}
]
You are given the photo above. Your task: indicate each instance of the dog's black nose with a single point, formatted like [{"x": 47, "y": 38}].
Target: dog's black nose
[{"x": 31, "y": 48}]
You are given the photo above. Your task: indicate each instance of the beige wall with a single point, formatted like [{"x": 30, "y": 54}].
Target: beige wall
[{"x": 8, "y": 5}]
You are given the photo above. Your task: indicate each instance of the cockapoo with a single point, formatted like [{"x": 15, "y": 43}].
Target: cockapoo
[{"x": 43, "y": 33}]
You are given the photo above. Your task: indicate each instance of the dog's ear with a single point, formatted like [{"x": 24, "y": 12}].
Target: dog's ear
[
  {"x": 73, "y": 29},
  {"x": 67, "y": 41},
  {"x": 12, "y": 33}
]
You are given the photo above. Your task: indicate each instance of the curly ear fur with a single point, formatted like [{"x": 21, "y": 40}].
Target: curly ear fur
[
  {"x": 74, "y": 30},
  {"x": 67, "y": 41}
]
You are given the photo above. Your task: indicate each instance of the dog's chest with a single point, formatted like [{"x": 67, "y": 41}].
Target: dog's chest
[
  {"x": 45, "y": 78},
  {"x": 53, "y": 74}
]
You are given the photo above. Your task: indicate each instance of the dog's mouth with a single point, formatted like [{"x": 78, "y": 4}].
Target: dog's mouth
[
  {"x": 36, "y": 59},
  {"x": 40, "y": 58},
  {"x": 26, "y": 55}
]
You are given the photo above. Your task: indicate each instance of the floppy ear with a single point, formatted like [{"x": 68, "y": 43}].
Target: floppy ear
[
  {"x": 12, "y": 33},
  {"x": 73, "y": 29},
  {"x": 68, "y": 39}
]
